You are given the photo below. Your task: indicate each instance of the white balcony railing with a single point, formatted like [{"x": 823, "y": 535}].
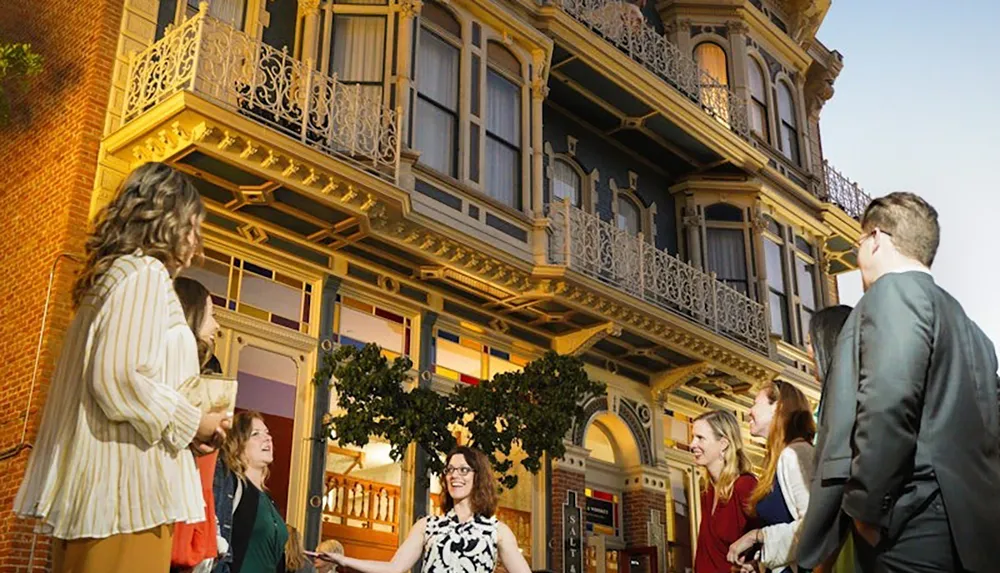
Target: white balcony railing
[
  {"x": 210, "y": 58},
  {"x": 593, "y": 247},
  {"x": 844, "y": 193},
  {"x": 621, "y": 24}
]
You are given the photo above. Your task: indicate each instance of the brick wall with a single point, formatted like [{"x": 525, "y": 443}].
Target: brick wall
[
  {"x": 637, "y": 508},
  {"x": 564, "y": 481},
  {"x": 49, "y": 154}
]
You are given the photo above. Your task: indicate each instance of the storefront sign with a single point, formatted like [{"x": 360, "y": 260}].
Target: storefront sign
[
  {"x": 601, "y": 512},
  {"x": 572, "y": 535}
]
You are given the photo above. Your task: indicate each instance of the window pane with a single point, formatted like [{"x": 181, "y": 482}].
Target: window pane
[
  {"x": 628, "y": 216},
  {"x": 786, "y": 105},
  {"x": 503, "y": 172},
  {"x": 779, "y": 314},
  {"x": 229, "y": 11},
  {"x": 757, "y": 89},
  {"x": 775, "y": 270},
  {"x": 565, "y": 182},
  {"x": 758, "y": 119},
  {"x": 435, "y": 137},
  {"x": 712, "y": 58},
  {"x": 503, "y": 108},
  {"x": 459, "y": 358},
  {"x": 438, "y": 71},
  {"x": 727, "y": 257},
  {"x": 789, "y": 143},
  {"x": 358, "y": 48},
  {"x": 804, "y": 276},
  {"x": 366, "y": 327}
]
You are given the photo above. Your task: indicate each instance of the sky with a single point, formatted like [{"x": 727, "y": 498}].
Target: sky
[{"x": 916, "y": 109}]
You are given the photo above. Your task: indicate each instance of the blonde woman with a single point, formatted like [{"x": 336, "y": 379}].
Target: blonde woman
[
  {"x": 111, "y": 472},
  {"x": 718, "y": 447},
  {"x": 296, "y": 560},
  {"x": 331, "y": 546},
  {"x": 781, "y": 414}
]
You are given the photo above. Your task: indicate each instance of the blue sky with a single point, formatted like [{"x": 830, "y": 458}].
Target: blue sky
[{"x": 916, "y": 109}]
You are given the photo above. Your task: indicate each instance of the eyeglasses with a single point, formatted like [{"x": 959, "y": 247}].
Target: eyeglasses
[
  {"x": 462, "y": 471},
  {"x": 871, "y": 233}
]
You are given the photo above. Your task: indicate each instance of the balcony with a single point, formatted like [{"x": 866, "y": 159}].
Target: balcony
[
  {"x": 595, "y": 248},
  {"x": 844, "y": 193},
  {"x": 229, "y": 68},
  {"x": 622, "y": 25}
]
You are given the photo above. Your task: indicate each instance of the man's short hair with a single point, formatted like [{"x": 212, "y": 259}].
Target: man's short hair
[{"x": 909, "y": 220}]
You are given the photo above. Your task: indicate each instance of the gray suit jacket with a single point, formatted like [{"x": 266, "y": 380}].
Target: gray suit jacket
[
  {"x": 926, "y": 416},
  {"x": 825, "y": 526}
]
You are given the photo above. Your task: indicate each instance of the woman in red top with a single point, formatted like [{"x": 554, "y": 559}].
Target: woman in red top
[{"x": 718, "y": 447}]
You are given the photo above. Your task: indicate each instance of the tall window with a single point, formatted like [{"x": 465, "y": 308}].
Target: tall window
[
  {"x": 805, "y": 280},
  {"x": 712, "y": 58},
  {"x": 774, "y": 260},
  {"x": 357, "y": 51},
  {"x": 629, "y": 216},
  {"x": 758, "y": 101},
  {"x": 232, "y": 12},
  {"x": 788, "y": 123},
  {"x": 503, "y": 127},
  {"x": 436, "y": 132},
  {"x": 565, "y": 182},
  {"x": 726, "y": 245}
]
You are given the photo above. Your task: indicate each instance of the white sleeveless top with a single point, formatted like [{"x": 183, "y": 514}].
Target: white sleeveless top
[{"x": 454, "y": 547}]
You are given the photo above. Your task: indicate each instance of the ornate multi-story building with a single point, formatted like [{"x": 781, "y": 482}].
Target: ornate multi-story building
[{"x": 468, "y": 183}]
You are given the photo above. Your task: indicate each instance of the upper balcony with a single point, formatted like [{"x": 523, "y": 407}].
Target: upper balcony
[
  {"x": 229, "y": 68},
  {"x": 593, "y": 247},
  {"x": 847, "y": 203}
]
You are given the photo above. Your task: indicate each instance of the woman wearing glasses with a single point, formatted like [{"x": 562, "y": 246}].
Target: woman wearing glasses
[{"x": 467, "y": 538}]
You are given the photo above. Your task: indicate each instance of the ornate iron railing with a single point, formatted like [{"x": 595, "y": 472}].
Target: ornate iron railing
[
  {"x": 208, "y": 57},
  {"x": 844, "y": 193},
  {"x": 593, "y": 247},
  {"x": 621, "y": 24}
]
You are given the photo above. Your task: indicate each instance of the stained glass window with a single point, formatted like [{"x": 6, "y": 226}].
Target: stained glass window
[
  {"x": 677, "y": 430},
  {"x": 467, "y": 360},
  {"x": 357, "y": 323},
  {"x": 255, "y": 290},
  {"x": 602, "y": 513}
]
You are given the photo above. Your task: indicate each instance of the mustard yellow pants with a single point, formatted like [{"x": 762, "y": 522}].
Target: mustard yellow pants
[{"x": 128, "y": 553}]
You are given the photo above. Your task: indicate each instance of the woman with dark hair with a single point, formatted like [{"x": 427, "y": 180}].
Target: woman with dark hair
[
  {"x": 782, "y": 416},
  {"x": 111, "y": 473},
  {"x": 467, "y": 538}
]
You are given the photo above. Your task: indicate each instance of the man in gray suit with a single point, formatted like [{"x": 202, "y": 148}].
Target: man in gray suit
[{"x": 918, "y": 477}]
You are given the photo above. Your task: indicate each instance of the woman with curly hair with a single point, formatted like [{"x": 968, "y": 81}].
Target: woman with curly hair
[
  {"x": 111, "y": 472},
  {"x": 468, "y": 537}
]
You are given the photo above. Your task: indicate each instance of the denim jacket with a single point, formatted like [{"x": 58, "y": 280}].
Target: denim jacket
[{"x": 224, "y": 489}]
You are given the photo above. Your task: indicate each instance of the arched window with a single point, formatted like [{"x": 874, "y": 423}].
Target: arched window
[
  {"x": 712, "y": 58},
  {"x": 725, "y": 235},
  {"x": 436, "y": 133},
  {"x": 629, "y": 215},
  {"x": 503, "y": 126},
  {"x": 758, "y": 101},
  {"x": 566, "y": 182},
  {"x": 789, "y": 132}
]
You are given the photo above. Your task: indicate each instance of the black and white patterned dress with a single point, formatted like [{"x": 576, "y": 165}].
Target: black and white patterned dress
[{"x": 454, "y": 547}]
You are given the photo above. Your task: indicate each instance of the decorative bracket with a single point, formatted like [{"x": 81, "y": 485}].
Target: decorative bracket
[
  {"x": 665, "y": 382},
  {"x": 575, "y": 343}
]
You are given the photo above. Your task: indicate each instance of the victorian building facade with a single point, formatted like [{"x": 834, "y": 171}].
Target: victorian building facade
[{"x": 470, "y": 183}]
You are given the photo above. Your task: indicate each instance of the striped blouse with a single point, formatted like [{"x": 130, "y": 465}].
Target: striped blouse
[{"x": 111, "y": 454}]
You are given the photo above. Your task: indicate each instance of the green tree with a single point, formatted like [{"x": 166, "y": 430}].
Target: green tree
[
  {"x": 17, "y": 63},
  {"x": 534, "y": 408}
]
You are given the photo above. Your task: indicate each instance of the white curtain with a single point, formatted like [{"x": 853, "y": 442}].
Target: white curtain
[
  {"x": 437, "y": 83},
  {"x": 727, "y": 257},
  {"x": 777, "y": 300},
  {"x": 359, "y": 50},
  {"x": 565, "y": 182},
  {"x": 231, "y": 12},
  {"x": 503, "y": 142}
]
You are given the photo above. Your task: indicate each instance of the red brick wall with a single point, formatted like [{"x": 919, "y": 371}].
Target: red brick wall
[
  {"x": 636, "y": 510},
  {"x": 564, "y": 481},
  {"x": 49, "y": 155}
]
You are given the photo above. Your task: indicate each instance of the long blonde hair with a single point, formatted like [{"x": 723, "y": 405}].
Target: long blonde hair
[
  {"x": 295, "y": 556},
  {"x": 735, "y": 460},
  {"x": 155, "y": 210},
  {"x": 792, "y": 421}
]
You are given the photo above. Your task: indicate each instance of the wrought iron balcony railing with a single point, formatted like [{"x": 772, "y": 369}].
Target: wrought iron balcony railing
[
  {"x": 210, "y": 58},
  {"x": 844, "y": 193},
  {"x": 593, "y": 247},
  {"x": 622, "y": 25}
]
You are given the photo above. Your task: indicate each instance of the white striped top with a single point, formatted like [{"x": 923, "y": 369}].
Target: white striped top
[{"x": 111, "y": 454}]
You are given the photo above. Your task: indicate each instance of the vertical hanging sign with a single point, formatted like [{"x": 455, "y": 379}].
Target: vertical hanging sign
[{"x": 572, "y": 535}]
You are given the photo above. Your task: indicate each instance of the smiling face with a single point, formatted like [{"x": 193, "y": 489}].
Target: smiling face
[
  {"x": 762, "y": 414},
  {"x": 459, "y": 478},
  {"x": 258, "y": 450},
  {"x": 705, "y": 446}
]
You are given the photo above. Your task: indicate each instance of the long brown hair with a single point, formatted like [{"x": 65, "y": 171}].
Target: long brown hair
[
  {"x": 484, "y": 485},
  {"x": 155, "y": 210},
  {"x": 295, "y": 556},
  {"x": 735, "y": 461},
  {"x": 236, "y": 442},
  {"x": 792, "y": 421},
  {"x": 194, "y": 300}
]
